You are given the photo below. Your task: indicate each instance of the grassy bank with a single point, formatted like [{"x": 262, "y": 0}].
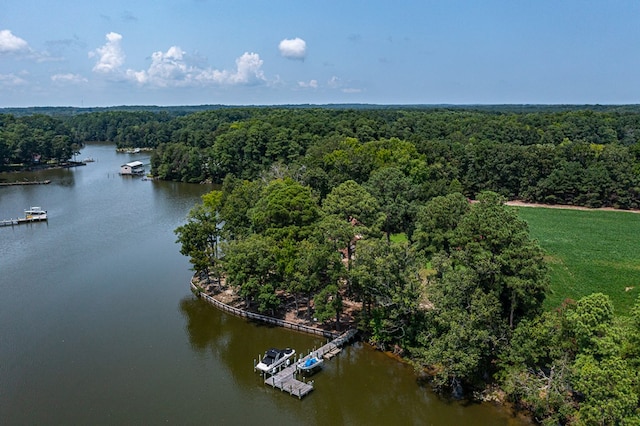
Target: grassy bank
[{"x": 589, "y": 251}]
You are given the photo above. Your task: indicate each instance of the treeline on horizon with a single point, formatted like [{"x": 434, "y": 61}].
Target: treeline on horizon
[
  {"x": 581, "y": 157},
  {"x": 578, "y": 155}
]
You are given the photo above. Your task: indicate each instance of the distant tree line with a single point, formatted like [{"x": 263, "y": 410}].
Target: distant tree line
[{"x": 580, "y": 157}]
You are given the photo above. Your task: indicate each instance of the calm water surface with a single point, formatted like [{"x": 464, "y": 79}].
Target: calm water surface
[{"x": 97, "y": 324}]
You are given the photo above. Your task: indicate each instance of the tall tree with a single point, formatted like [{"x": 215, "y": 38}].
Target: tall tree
[
  {"x": 350, "y": 204},
  {"x": 436, "y": 222},
  {"x": 200, "y": 237},
  {"x": 285, "y": 209},
  {"x": 385, "y": 278},
  {"x": 494, "y": 242},
  {"x": 249, "y": 265},
  {"x": 393, "y": 191}
]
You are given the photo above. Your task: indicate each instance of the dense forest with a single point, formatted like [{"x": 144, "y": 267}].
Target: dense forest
[
  {"x": 581, "y": 157},
  {"x": 558, "y": 155},
  {"x": 462, "y": 301},
  {"x": 35, "y": 139},
  {"x": 401, "y": 211}
]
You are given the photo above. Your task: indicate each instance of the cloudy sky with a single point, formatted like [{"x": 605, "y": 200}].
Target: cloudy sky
[{"x": 246, "y": 52}]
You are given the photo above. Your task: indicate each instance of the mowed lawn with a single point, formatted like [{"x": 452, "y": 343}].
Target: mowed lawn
[{"x": 589, "y": 252}]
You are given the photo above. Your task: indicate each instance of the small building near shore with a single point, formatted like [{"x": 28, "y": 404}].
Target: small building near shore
[{"x": 132, "y": 168}]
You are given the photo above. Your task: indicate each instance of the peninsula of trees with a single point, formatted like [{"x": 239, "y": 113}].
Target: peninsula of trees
[{"x": 317, "y": 206}]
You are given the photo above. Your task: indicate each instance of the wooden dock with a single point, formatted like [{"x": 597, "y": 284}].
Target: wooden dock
[
  {"x": 20, "y": 221},
  {"x": 286, "y": 379}
]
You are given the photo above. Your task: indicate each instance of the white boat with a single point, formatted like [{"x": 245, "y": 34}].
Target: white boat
[
  {"x": 273, "y": 358},
  {"x": 309, "y": 363},
  {"x": 35, "y": 214}
]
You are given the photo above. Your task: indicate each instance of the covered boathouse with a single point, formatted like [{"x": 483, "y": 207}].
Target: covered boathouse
[{"x": 132, "y": 168}]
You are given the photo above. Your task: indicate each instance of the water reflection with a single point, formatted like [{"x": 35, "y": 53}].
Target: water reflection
[
  {"x": 202, "y": 327},
  {"x": 359, "y": 386}
]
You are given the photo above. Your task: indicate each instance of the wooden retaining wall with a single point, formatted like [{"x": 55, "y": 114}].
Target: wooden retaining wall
[{"x": 263, "y": 318}]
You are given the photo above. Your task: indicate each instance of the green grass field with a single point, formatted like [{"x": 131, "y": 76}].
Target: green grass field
[{"x": 589, "y": 251}]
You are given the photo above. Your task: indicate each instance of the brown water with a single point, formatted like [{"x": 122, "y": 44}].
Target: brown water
[{"x": 97, "y": 324}]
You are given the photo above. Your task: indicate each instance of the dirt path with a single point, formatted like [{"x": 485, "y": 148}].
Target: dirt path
[{"x": 566, "y": 207}]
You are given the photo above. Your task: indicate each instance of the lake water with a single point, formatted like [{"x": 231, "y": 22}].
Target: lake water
[{"x": 98, "y": 326}]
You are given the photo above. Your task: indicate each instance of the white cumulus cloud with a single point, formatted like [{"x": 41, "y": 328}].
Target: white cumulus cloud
[
  {"x": 176, "y": 68},
  {"x": 166, "y": 69},
  {"x": 295, "y": 48},
  {"x": 10, "y": 43},
  {"x": 172, "y": 68},
  {"x": 110, "y": 55},
  {"x": 248, "y": 71}
]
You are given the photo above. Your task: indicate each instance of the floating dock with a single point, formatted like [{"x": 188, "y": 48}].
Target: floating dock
[{"x": 286, "y": 379}]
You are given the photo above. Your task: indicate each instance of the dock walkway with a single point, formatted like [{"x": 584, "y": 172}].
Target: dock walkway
[
  {"x": 262, "y": 318},
  {"x": 286, "y": 380},
  {"x": 20, "y": 221}
]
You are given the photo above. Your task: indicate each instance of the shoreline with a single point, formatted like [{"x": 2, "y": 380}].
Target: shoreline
[
  {"x": 490, "y": 395},
  {"x": 41, "y": 167},
  {"x": 241, "y": 312}
]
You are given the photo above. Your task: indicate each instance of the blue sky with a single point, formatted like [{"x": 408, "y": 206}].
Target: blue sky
[{"x": 247, "y": 52}]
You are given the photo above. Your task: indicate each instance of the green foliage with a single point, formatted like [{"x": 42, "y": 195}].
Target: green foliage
[
  {"x": 492, "y": 277},
  {"x": 462, "y": 332},
  {"x": 493, "y": 242},
  {"x": 436, "y": 222},
  {"x": 328, "y": 304},
  {"x": 351, "y": 202},
  {"x": 591, "y": 323},
  {"x": 608, "y": 389},
  {"x": 569, "y": 157},
  {"x": 285, "y": 209},
  {"x": 238, "y": 199},
  {"x": 394, "y": 193},
  {"x": 350, "y": 212},
  {"x": 632, "y": 350},
  {"x": 200, "y": 237},
  {"x": 385, "y": 279},
  {"x": 570, "y": 366},
  {"x": 35, "y": 139},
  {"x": 248, "y": 266},
  {"x": 333, "y": 180}
]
